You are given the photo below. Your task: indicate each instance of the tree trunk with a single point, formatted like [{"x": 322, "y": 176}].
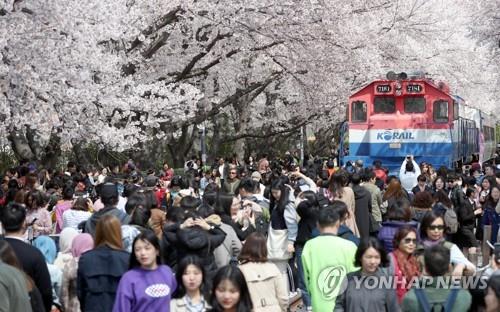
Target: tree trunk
[
  {"x": 52, "y": 152},
  {"x": 20, "y": 145},
  {"x": 82, "y": 156},
  {"x": 179, "y": 149}
]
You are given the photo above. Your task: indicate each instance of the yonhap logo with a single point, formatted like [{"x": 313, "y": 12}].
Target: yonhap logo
[
  {"x": 332, "y": 282},
  {"x": 389, "y": 135}
]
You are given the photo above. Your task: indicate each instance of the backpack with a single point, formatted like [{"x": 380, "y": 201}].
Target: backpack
[
  {"x": 451, "y": 220},
  {"x": 427, "y": 306}
]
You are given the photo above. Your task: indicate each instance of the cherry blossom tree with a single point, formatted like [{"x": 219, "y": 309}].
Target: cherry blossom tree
[{"x": 122, "y": 73}]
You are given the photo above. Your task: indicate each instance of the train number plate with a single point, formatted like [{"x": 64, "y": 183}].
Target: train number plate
[{"x": 395, "y": 145}]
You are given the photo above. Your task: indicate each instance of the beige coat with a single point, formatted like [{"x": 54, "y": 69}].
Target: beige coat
[
  {"x": 266, "y": 286},
  {"x": 178, "y": 305},
  {"x": 348, "y": 199}
]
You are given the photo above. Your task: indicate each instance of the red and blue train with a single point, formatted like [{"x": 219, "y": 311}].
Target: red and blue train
[{"x": 402, "y": 115}]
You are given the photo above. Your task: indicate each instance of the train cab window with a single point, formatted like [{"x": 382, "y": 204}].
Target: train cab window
[
  {"x": 440, "y": 111},
  {"x": 414, "y": 104},
  {"x": 384, "y": 105},
  {"x": 358, "y": 111}
]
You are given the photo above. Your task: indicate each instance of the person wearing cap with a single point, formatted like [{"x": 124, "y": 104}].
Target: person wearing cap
[
  {"x": 109, "y": 197},
  {"x": 257, "y": 177}
]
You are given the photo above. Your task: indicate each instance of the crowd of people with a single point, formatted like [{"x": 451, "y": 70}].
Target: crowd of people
[{"x": 250, "y": 236}]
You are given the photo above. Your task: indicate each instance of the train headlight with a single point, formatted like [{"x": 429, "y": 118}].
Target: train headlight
[{"x": 391, "y": 75}]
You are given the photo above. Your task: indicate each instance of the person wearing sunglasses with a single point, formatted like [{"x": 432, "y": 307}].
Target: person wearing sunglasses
[
  {"x": 232, "y": 183},
  {"x": 403, "y": 264},
  {"x": 432, "y": 229}
]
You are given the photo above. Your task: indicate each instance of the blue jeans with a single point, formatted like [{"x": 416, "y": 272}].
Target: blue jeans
[{"x": 306, "y": 298}]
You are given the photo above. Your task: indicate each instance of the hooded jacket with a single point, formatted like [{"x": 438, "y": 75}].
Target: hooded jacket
[{"x": 362, "y": 210}]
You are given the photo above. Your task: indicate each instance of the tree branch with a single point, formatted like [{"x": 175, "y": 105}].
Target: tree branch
[
  {"x": 200, "y": 55},
  {"x": 266, "y": 134},
  {"x": 204, "y": 70},
  {"x": 163, "y": 21},
  {"x": 160, "y": 42},
  {"x": 231, "y": 99}
]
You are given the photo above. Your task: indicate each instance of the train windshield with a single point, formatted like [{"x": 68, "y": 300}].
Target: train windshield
[
  {"x": 384, "y": 105},
  {"x": 358, "y": 111},
  {"x": 414, "y": 104},
  {"x": 440, "y": 111}
]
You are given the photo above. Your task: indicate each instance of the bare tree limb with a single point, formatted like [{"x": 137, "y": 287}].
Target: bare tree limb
[
  {"x": 200, "y": 55},
  {"x": 169, "y": 18},
  {"x": 160, "y": 42},
  {"x": 267, "y": 134},
  {"x": 228, "y": 101}
]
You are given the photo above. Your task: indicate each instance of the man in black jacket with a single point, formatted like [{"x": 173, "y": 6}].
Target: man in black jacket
[
  {"x": 363, "y": 206},
  {"x": 32, "y": 260}
]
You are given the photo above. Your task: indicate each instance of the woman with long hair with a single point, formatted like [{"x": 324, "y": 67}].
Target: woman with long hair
[
  {"x": 80, "y": 211},
  {"x": 394, "y": 192},
  {"x": 148, "y": 284},
  {"x": 484, "y": 189},
  {"x": 482, "y": 193},
  {"x": 466, "y": 215},
  {"x": 62, "y": 206},
  {"x": 100, "y": 269},
  {"x": 338, "y": 189},
  {"x": 403, "y": 263},
  {"x": 284, "y": 226},
  {"x": 137, "y": 207},
  {"x": 441, "y": 202},
  {"x": 231, "y": 246},
  {"x": 37, "y": 213},
  {"x": 491, "y": 214},
  {"x": 192, "y": 294},
  {"x": 228, "y": 207},
  {"x": 264, "y": 280},
  {"x": 230, "y": 291}
]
